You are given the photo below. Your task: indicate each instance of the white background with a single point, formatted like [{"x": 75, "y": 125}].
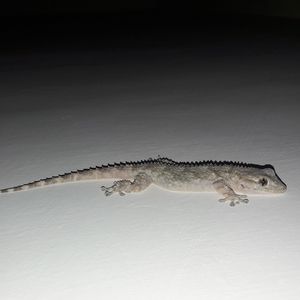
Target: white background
[{"x": 80, "y": 109}]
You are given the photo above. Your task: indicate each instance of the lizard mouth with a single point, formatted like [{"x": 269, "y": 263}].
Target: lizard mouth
[{"x": 283, "y": 188}]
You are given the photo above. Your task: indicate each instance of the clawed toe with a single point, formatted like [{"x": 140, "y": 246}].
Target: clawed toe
[
  {"x": 222, "y": 200},
  {"x": 245, "y": 200},
  {"x": 107, "y": 190},
  {"x": 108, "y": 193}
]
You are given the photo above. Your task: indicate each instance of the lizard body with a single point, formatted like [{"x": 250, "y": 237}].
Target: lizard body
[{"x": 226, "y": 178}]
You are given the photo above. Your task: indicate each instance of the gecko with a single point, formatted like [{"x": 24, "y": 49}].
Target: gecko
[{"x": 233, "y": 180}]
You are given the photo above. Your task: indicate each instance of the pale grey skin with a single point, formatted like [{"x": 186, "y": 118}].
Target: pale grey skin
[{"x": 227, "y": 178}]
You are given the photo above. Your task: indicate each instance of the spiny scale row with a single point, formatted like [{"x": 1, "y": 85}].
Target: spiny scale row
[{"x": 167, "y": 161}]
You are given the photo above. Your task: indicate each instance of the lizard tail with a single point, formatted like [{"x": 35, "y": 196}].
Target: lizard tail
[{"x": 97, "y": 173}]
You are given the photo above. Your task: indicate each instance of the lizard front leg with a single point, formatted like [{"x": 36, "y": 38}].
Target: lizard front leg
[
  {"x": 224, "y": 189},
  {"x": 141, "y": 182}
]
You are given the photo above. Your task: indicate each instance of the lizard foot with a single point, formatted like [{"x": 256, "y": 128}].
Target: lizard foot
[
  {"x": 118, "y": 187},
  {"x": 235, "y": 199},
  {"x": 107, "y": 190},
  {"x": 141, "y": 182}
]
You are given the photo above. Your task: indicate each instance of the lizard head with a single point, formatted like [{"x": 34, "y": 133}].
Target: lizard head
[{"x": 262, "y": 180}]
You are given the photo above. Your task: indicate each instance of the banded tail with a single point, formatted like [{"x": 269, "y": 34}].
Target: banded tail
[{"x": 114, "y": 171}]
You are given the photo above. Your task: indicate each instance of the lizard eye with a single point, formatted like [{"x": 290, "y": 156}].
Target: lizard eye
[{"x": 263, "y": 181}]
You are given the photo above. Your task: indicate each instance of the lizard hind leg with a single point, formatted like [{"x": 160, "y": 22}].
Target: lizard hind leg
[{"x": 141, "y": 182}]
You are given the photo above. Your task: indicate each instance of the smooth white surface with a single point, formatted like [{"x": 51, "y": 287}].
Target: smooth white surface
[{"x": 71, "y": 242}]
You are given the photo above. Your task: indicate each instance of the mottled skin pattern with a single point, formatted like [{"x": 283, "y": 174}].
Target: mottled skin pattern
[{"x": 227, "y": 178}]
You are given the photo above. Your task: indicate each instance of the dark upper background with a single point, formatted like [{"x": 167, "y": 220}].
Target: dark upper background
[
  {"x": 20, "y": 13},
  {"x": 284, "y": 8},
  {"x": 27, "y": 23},
  {"x": 97, "y": 32}
]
